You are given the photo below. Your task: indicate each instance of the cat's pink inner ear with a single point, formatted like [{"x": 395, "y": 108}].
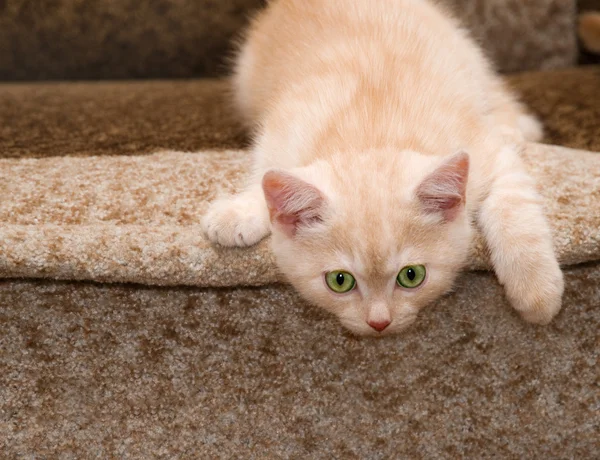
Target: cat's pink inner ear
[
  {"x": 443, "y": 191},
  {"x": 292, "y": 202}
]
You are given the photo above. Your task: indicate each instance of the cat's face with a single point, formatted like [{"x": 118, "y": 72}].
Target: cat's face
[{"x": 371, "y": 243}]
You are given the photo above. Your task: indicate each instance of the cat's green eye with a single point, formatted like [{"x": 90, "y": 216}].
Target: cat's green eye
[
  {"x": 340, "y": 281},
  {"x": 411, "y": 276}
]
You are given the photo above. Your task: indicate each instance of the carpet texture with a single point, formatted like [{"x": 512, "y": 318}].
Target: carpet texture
[
  {"x": 85, "y": 206},
  {"x": 116, "y": 371},
  {"x": 108, "y": 118},
  {"x": 109, "y": 39},
  {"x": 567, "y": 101},
  {"x": 136, "y": 218},
  {"x": 127, "y": 118},
  {"x": 91, "y": 188}
]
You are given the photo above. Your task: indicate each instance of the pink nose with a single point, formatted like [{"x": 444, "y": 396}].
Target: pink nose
[{"x": 379, "y": 325}]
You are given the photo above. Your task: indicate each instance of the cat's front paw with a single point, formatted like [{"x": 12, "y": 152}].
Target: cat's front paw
[
  {"x": 236, "y": 222},
  {"x": 541, "y": 299}
]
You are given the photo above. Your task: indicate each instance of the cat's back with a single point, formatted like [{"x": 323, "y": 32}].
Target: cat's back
[{"x": 404, "y": 47}]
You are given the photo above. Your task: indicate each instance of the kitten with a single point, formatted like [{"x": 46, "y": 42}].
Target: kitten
[{"x": 380, "y": 133}]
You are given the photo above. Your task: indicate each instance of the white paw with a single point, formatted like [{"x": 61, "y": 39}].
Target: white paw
[
  {"x": 236, "y": 222},
  {"x": 530, "y": 127},
  {"x": 541, "y": 300}
]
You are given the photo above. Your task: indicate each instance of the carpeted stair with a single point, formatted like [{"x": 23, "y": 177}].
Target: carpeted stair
[{"x": 123, "y": 334}]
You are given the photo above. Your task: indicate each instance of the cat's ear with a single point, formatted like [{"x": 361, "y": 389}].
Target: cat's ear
[
  {"x": 292, "y": 202},
  {"x": 443, "y": 191}
]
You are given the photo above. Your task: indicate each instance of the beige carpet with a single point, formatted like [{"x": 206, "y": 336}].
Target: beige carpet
[
  {"x": 136, "y": 218},
  {"x": 116, "y": 39},
  {"x": 124, "y": 371},
  {"x": 92, "y": 370}
]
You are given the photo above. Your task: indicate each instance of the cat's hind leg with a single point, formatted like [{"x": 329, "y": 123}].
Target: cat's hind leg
[
  {"x": 530, "y": 127},
  {"x": 239, "y": 220},
  {"x": 512, "y": 116},
  {"x": 520, "y": 242}
]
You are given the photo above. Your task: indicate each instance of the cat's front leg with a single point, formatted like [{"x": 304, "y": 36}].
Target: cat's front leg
[
  {"x": 520, "y": 242},
  {"x": 239, "y": 220}
]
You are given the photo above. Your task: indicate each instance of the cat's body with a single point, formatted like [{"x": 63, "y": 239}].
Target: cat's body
[{"x": 380, "y": 134}]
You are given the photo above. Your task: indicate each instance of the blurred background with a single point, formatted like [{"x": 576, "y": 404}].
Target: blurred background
[{"x": 133, "y": 39}]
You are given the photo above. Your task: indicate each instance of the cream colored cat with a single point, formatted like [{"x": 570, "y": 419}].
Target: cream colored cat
[{"x": 381, "y": 133}]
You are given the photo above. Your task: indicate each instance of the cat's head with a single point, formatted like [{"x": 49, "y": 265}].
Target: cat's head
[{"x": 371, "y": 238}]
